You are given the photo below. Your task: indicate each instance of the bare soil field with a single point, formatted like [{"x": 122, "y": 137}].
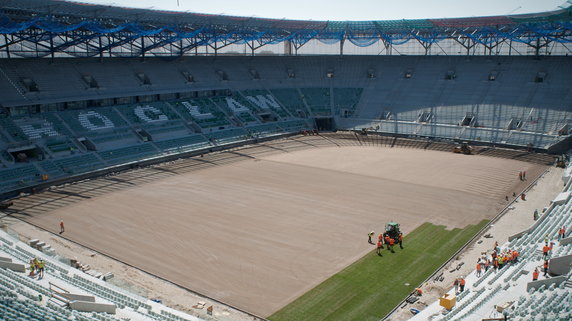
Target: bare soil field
[{"x": 260, "y": 232}]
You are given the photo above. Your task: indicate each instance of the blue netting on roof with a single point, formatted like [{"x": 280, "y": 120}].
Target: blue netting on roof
[
  {"x": 330, "y": 37},
  {"x": 397, "y": 39},
  {"x": 363, "y": 39},
  {"x": 555, "y": 27}
]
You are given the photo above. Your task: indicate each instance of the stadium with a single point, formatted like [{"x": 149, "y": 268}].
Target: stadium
[{"x": 180, "y": 166}]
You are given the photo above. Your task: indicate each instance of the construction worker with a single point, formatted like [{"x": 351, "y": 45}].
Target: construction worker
[
  {"x": 478, "y": 269},
  {"x": 401, "y": 240},
  {"x": 500, "y": 261},
  {"x": 462, "y": 284},
  {"x": 535, "y": 275},
  {"x": 41, "y": 267},
  {"x": 545, "y": 266},
  {"x": 456, "y": 285},
  {"x": 515, "y": 256},
  {"x": 391, "y": 243},
  {"x": 524, "y": 175},
  {"x": 545, "y": 250},
  {"x": 387, "y": 241},
  {"x": 561, "y": 232},
  {"x": 535, "y": 216},
  {"x": 32, "y": 268},
  {"x": 369, "y": 236},
  {"x": 61, "y": 226},
  {"x": 379, "y": 247},
  {"x": 520, "y": 176}
]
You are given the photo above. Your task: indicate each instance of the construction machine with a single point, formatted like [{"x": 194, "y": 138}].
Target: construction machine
[
  {"x": 463, "y": 148},
  {"x": 392, "y": 230}
]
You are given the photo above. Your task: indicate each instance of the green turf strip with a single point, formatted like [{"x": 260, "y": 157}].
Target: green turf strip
[{"x": 369, "y": 288}]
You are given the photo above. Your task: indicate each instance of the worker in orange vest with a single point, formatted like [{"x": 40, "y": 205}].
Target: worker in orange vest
[
  {"x": 545, "y": 267},
  {"x": 545, "y": 250},
  {"x": 535, "y": 275},
  {"x": 401, "y": 241},
  {"x": 515, "y": 255},
  {"x": 61, "y": 226},
  {"x": 462, "y": 284},
  {"x": 387, "y": 241},
  {"x": 478, "y": 269},
  {"x": 391, "y": 243},
  {"x": 561, "y": 233},
  {"x": 379, "y": 247}
]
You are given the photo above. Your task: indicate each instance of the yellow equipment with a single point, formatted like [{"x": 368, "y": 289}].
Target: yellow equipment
[{"x": 448, "y": 301}]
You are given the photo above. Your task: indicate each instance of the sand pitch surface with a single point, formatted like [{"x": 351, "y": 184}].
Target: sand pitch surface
[{"x": 258, "y": 233}]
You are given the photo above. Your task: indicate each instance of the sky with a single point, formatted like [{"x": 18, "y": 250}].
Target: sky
[{"x": 345, "y": 9}]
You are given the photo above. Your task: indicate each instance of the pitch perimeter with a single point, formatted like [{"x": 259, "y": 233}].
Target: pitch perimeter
[{"x": 258, "y": 233}]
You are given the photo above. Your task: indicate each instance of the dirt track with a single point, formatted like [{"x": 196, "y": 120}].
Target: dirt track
[{"x": 258, "y": 233}]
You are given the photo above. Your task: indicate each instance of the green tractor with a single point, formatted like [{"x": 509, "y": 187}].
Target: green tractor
[{"x": 392, "y": 230}]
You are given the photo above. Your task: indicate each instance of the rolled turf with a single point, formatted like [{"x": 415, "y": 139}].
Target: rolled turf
[{"x": 372, "y": 286}]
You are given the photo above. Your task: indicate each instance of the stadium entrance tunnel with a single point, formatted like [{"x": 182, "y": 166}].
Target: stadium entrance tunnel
[
  {"x": 87, "y": 144},
  {"x": 561, "y": 147},
  {"x": 25, "y": 154},
  {"x": 325, "y": 123}
]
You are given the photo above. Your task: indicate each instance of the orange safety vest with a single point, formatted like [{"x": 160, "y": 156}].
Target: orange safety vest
[
  {"x": 378, "y": 244},
  {"x": 462, "y": 282},
  {"x": 391, "y": 241},
  {"x": 545, "y": 249},
  {"x": 478, "y": 267},
  {"x": 535, "y": 274}
]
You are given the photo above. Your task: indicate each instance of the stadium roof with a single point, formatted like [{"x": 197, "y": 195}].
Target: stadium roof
[{"x": 81, "y": 22}]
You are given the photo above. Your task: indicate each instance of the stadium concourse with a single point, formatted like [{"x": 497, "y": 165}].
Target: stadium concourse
[{"x": 99, "y": 102}]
